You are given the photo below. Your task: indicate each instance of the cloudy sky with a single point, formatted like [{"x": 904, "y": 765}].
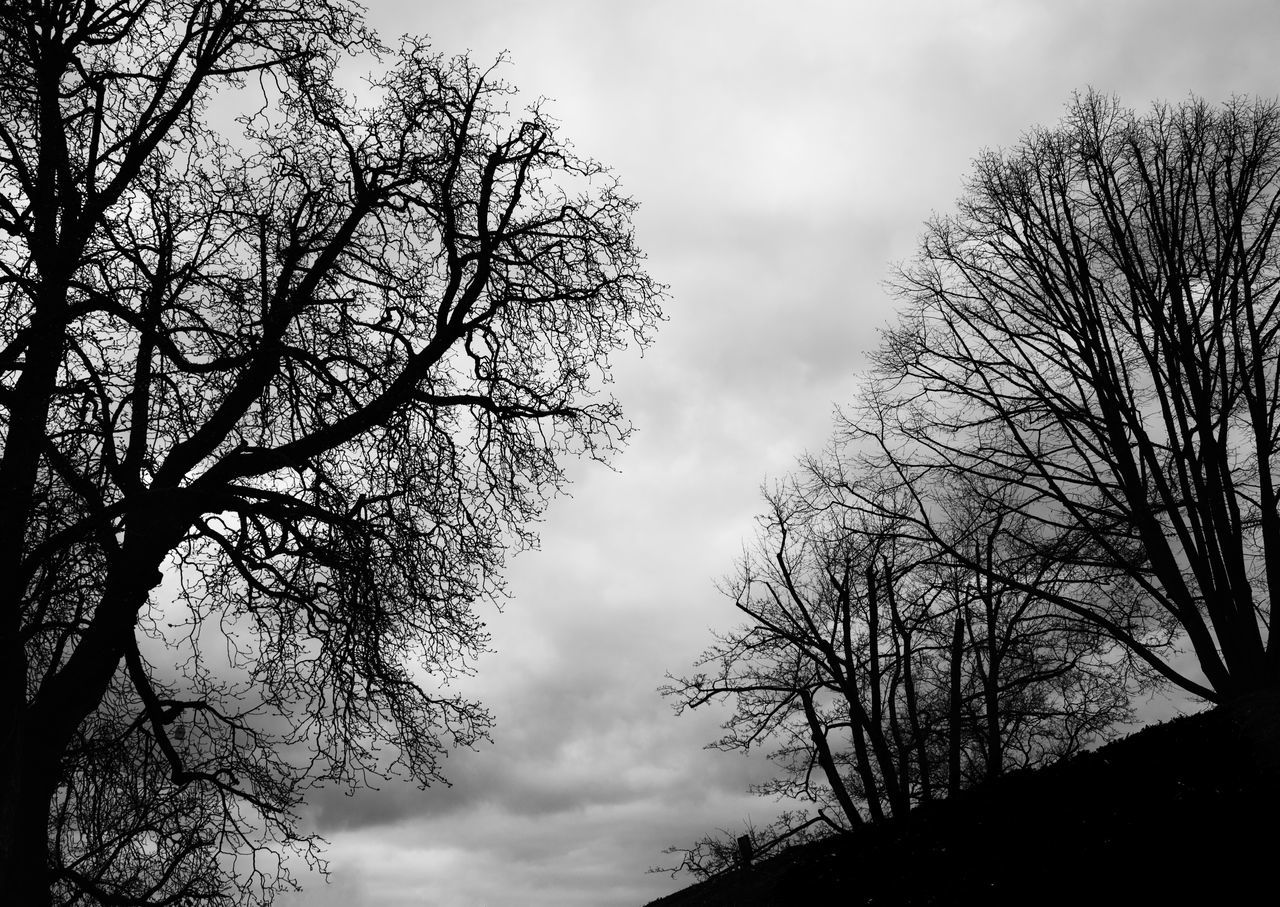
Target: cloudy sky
[{"x": 784, "y": 153}]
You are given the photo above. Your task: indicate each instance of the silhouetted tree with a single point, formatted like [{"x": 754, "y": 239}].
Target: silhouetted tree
[
  {"x": 883, "y": 673},
  {"x": 1094, "y": 332},
  {"x": 319, "y": 376},
  {"x": 806, "y": 666},
  {"x": 1027, "y": 683}
]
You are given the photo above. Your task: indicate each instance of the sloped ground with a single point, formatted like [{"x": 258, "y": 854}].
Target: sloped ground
[{"x": 1186, "y": 812}]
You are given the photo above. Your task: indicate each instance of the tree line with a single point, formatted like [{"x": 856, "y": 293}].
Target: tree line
[{"x": 1055, "y": 489}]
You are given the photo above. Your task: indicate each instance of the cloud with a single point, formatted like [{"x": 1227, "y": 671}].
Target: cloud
[
  {"x": 568, "y": 739},
  {"x": 785, "y": 154}
]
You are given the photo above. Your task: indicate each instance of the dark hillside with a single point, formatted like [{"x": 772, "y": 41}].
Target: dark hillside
[{"x": 1181, "y": 812}]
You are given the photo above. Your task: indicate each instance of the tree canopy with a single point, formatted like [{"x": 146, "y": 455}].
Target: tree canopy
[
  {"x": 1094, "y": 333},
  {"x": 319, "y": 368}
]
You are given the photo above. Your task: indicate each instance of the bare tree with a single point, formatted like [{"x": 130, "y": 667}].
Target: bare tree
[
  {"x": 883, "y": 672},
  {"x": 807, "y": 666},
  {"x": 321, "y": 376},
  {"x": 1028, "y": 683},
  {"x": 1094, "y": 331}
]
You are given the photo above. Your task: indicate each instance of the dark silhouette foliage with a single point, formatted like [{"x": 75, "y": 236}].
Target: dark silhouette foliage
[
  {"x": 318, "y": 372},
  {"x": 883, "y": 674},
  {"x": 1093, "y": 333}
]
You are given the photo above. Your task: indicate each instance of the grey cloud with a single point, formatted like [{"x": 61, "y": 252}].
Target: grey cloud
[{"x": 785, "y": 154}]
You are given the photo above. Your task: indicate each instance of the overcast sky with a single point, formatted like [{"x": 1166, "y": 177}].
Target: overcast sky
[{"x": 784, "y": 154}]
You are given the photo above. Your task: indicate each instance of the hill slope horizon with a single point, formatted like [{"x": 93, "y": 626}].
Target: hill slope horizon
[{"x": 1178, "y": 812}]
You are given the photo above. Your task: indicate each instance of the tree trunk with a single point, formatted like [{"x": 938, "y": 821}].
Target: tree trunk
[
  {"x": 869, "y": 784},
  {"x": 31, "y": 753},
  {"x": 991, "y": 679},
  {"x": 873, "y": 644},
  {"x": 28, "y": 778},
  {"x": 901, "y": 752},
  {"x": 953, "y": 742},
  {"x": 877, "y": 719},
  {"x": 995, "y": 739},
  {"x": 918, "y": 736},
  {"x": 827, "y": 762}
]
